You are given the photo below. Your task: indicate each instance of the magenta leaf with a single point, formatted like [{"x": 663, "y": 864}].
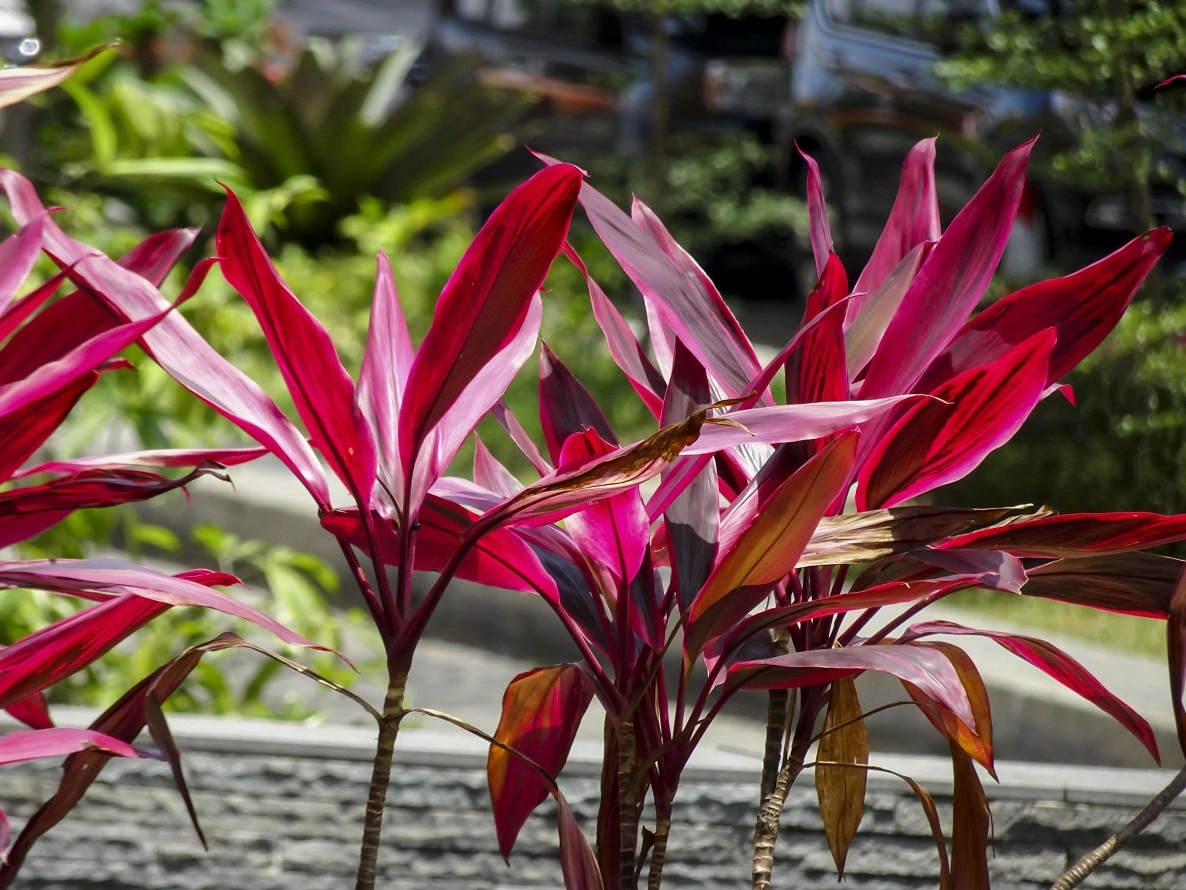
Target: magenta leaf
[
  {"x": 500, "y": 558},
  {"x": 768, "y": 548},
  {"x": 157, "y": 254},
  {"x": 175, "y": 345},
  {"x": 16, "y": 747},
  {"x": 18, "y": 313},
  {"x": 1077, "y": 534},
  {"x": 1083, "y": 307},
  {"x": 384, "y": 376},
  {"x": 817, "y": 214},
  {"x": 510, "y": 423},
  {"x": 708, "y": 329},
  {"x": 1055, "y": 663},
  {"x": 23, "y": 432},
  {"x": 17, "y": 255},
  {"x": 33, "y": 712},
  {"x": 693, "y": 517},
  {"x": 937, "y": 442},
  {"x": 320, "y": 387},
  {"x": 613, "y": 531},
  {"x": 487, "y": 300},
  {"x": 928, "y": 669},
  {"x": 1139, "y": 584},
  {"x": 1175, "y": 632},
  {"x": 541, "y": 712},
  {"x": 578, "y": 863},
  {"x": 444, "y": 440},
  {"x": 623, "y": 345},
  {"x": 492, "y": 475},
  {"x": 164, "y": 457},
  {"x": 565, "y": 406},
  {"x": 864, "y": 331},
  {"x": 106, "y": 577},
  {"x": 913, "y": 220},
  {"x": 951, "y": 281}
]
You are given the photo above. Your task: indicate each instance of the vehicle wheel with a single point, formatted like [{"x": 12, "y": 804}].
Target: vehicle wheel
[{"x": 1028, "y": 254}]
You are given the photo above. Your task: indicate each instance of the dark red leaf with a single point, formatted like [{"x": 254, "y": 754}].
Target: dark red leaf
[
  {"x": 565, "y": 406},
  {"x": 1130, "y": 583},
  {"x": 1077, "y": 534},
  {"x": 970, "y": 825}
]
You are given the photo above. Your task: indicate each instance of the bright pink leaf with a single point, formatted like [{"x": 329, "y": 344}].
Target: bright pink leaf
[
  {"x": 951, "y": 281},
  {"x": 913, "y": 220},
  {"x": 817, "y": 214},
  {"x": 16, "y": 747},
  {"x": 157, "y": 254},
  {"x": 510, "y": 423},
  {"x": 1082, "y": 307},
  {"x": 769, "y": 547},
  {"x": 175, "y": 345},
  {"x": 17, "y": 255},
  {"x": 106, "y": 577},
  {"x": 541, "y": 713},
  {"x": 928, "y": 669},
  {"x": 1055, "y": 663},
  {"x": 320, "y": 387},
  {"x": 565, "y": 406},
  {"x": 164, "y": 457},
  {"x": 384, "y": 375},
  {"x": 500, "y": 558},
  {"x": 1077, "y": 534},
  {"x": 623, "y": 345},
  {"x": 613, "y": 532},
  {"x": 486, "y": 301},
  {"x": 23, "y": 432},
  {"x": 492, "y": 475},
  {"x": 937, "y": 442},
  {"x": 864, "y": 331}
]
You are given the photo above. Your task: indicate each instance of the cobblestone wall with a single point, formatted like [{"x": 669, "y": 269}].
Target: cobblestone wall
[{"x": 279, "y": 822}]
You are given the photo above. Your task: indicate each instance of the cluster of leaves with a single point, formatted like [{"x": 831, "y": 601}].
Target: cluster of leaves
[{"x": 739, "y": 560}]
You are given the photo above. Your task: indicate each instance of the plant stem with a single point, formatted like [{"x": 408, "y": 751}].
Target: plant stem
[
  {"x": 1077, "y": 873},
  {"x": 658, "y": 852},
  {"x": 627, "y": 809},
  {"x": 368, "y": 856},
  {"x": 770, "y": 816},
  {"x": 776, "y": 724}
]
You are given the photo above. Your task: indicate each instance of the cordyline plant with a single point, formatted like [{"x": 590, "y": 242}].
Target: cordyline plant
[{"x": 759, "y": 559}]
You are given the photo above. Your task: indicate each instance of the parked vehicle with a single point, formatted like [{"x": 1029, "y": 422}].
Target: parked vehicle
[{"x": 863, "y": 89}]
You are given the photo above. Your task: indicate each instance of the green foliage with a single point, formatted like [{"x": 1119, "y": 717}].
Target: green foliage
[
  {"x": 1125, "y": 444},
  {"x": 1103, "y": 57}
]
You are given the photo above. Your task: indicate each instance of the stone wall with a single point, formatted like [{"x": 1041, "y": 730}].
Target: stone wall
[{"x": 281, "y": 807}]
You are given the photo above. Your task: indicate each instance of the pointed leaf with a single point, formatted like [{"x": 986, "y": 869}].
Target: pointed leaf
[
  {"x": 578, "y": 863},
  {"x": 818, "y": 372},
  {"x": 23, "y": 432},
  {"x": 1077, "y": 534},
  {"x": 175, "y": 345},
  {"x": 164, "y": 457},
  {"x": 692, "y": 520},
  {"x": 386, "y": 363},
  {"x": 509, "y": 422},
  {"x": 864, "y": 331},
  {"x": 913, "y": 220},
  {"x": 19, "y": 83},
  {"x": 32, "y": 711},
  {"x": 768, "y": 549},
  {"x": 817, "y": 214},
  {"x": 612, "y": 532},
  {"x": 712, "y": 335},
  {"x": 929, "y": 670},
  {"x": 444, "y": 440},
  {"x": 841, "y": 790},
  {"x": 975, "y": 741},
  {"x": 156, "y": 255},
  {"x": 939, "y": 442},
  {"x": 1175, "y": 631},
  {"x": 864, "y": 537},
  {"x": 1139, "y": 584},
  {"x": 541, "y": 712},
  {"x": 1055, "y": 663},
  {"x": 623, "y": 345},
  {"x": 951, "y": 282},
  {"x": 158, "y": 727},
  {"x": 17, "y": 255},
  {"x": 565, "y": 406},
  {"x": 16, "y": 747},
  {"x": 486, "y": 300},
  {"x": 492, "y": 475},
  {"x": 500, "y": 558},
  {"x": 646, "y": 219},
  {"x": 970, "y": 825},
  {"x": 320, "y": 387},
  {"x": 1083, "y": 307}
]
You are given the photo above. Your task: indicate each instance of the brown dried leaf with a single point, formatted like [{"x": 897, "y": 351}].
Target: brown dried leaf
[{"x": 841, "y": 789}]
